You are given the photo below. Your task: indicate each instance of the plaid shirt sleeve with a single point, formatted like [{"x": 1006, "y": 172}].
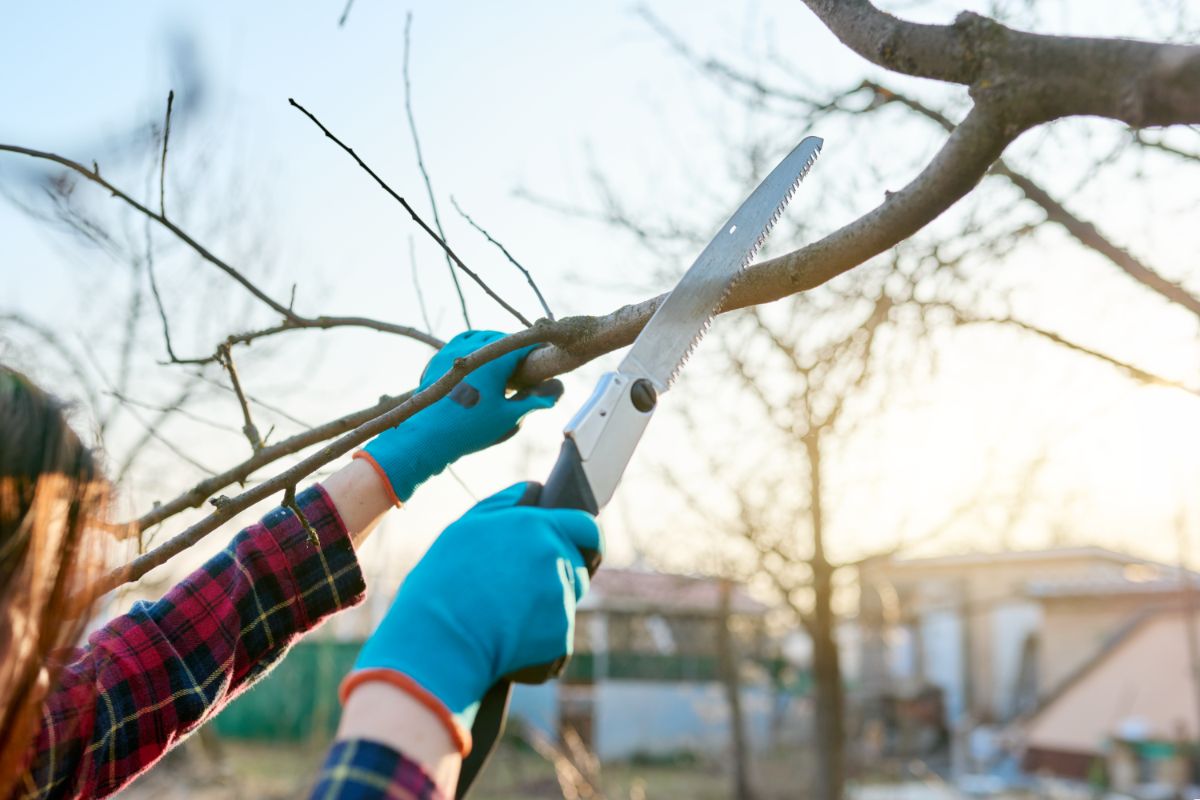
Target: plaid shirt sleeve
[
  {"x": 357, "y": 769},
  {"x": 149, "y": 678}
]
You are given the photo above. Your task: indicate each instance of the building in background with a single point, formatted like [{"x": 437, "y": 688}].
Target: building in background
[
  {"x": 647, "y": 677},
  {"x": 1073, "y": 662}
]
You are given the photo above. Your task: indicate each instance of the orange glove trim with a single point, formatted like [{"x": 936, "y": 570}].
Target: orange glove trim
[{"x": 460, "y": 736}]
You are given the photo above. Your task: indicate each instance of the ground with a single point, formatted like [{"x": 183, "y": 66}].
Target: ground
[{"x": 211, "y": 769}]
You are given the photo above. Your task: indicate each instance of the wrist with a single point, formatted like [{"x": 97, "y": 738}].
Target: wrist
[
  {"x": 456, "y": 727},
  {"x": 379, "y": 712}
]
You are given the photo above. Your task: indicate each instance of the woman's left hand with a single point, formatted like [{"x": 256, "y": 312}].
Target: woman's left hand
[{"x": 475, "y": 415}]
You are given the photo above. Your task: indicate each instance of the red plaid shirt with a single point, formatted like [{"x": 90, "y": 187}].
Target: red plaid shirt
[{"x": 149, "y": 678}]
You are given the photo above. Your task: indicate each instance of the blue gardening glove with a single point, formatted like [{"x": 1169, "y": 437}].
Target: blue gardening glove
[
  {"x": 475, "y": 415},
  {"x": 495, "y": 593}
]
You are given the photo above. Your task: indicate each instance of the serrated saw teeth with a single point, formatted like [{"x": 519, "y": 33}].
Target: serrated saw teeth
[
  {"x": 746, "y": 261},
  {"x": 682, "y": 320}
]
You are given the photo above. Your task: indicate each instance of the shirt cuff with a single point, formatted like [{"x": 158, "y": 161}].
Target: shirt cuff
[
  {"x": 361, "y": 768},
  {"x": 325, "y": 578}
]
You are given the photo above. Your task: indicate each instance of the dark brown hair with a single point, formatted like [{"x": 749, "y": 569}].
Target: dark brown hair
[{"x": 50, "y": 495}]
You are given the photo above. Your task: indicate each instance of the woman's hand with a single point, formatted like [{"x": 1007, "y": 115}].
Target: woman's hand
[
  {"x": 475, "y": 415},
  {"x": 495, "y": 593}
]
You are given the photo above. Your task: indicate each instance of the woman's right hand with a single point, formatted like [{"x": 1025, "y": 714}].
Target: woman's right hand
[{"x": 495, "y": 593}]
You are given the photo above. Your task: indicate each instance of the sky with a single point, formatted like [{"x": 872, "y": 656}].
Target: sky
[{"x": 534, "y": 99}]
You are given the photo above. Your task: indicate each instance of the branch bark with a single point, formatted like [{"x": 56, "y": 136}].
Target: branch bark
[{"x": 1044, "y": 77}]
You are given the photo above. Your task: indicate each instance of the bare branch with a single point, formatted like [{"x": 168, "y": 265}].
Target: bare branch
[
  {"x": 416, "y": 279},
  {"x": 345, "y": 13},
  {"x": 412, "y": 213},
  {"x": 1083, "y": 232},
  {"x": 412, "y": 126},
  {"x": 528, "y": 277},
  {"x": 1089, "y": 236},
  {"x": 239, "y": 473},
  {"x": 227, "y": 507},
  {"x": 1129, "y": 369},
  {"x": 291, "y": 320},
  {"x": 151, "y": 431},
  {"x": 94, "y": 176},
  {"x": 248, "y": 426},
  {"x": 158, "y": 301},
  {"x": 289, "y": 502},
  {"x": 162, "y": 167}
]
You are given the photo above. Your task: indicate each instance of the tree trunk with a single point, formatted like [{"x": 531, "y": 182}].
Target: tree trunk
[
  {"x": 730, "y": 677},
  {"x": 829, "y": 728}
]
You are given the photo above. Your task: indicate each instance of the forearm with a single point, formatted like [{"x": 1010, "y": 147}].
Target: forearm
[
  {"x": 361, "y": 498},
  {"x": 150, "y": 676}
]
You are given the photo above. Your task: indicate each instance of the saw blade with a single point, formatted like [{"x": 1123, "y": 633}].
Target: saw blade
[{"x": 680, "y": 322}]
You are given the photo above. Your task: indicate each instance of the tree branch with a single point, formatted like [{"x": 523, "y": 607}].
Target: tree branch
[
  {"x": 1038, "y": 77},
  {"x": 412, "y": 213},
  {"x": 227, "y": 507},
  {"x": 412, "y": 127},
  {"x": 1083, "y": 232},
  {"x": 162, "y": 166},
  {"x": 291, "y": 320},
  {"x": 528, "y": 276},
  {"x": 94, "y": 176},
  {"x": 955, "y": 170},
  {"x": 248, "y": 426}
]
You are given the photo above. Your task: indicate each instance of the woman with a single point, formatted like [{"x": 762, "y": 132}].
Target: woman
[{"x": 496, "y": 591}]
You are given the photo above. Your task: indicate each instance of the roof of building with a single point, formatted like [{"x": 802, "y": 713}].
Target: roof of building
[
  {"x": 1016, "y": 556},
  {"x": 1136, "y": 579},
  {"x": 643, "y": 590}
]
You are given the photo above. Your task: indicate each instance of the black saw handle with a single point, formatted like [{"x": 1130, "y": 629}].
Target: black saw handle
[{"x": 567, "y": 487}]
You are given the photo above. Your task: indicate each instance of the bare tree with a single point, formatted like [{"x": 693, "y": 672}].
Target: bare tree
[{"x": 1017, "y": 81}]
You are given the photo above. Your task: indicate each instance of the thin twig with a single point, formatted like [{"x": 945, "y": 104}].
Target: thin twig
[
  {"x": 162, "y": 167},
  {"x": 412, "y": 213},
  {"x": 416, "y": 279},
  {"x": 248, "y": 426},
  {"x": 289, "y": 502},
  {"x": 412, "y": 126},
  {"x": 508, "y": 255},
  {"x": 256, "y": 401},
  {"x": 345, "y": 13},
  {"x": 159, "y": 408},
  {"x": 158, "y": 301}
]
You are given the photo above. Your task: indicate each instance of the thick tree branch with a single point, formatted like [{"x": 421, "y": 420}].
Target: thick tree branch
[
  {"x": 955, "y": 170},
  {"x": 1039, "y": 77}
]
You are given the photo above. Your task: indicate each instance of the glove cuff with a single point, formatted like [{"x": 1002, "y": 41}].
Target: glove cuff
[
  {"x": 403, "y": 461},
  {"x": 460, "y": 734}
]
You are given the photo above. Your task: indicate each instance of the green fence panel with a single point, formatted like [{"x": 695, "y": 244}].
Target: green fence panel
[{"x": 297, "y": 699}]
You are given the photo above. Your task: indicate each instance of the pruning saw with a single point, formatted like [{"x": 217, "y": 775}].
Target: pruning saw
[{"x": 601, "y": 437}]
